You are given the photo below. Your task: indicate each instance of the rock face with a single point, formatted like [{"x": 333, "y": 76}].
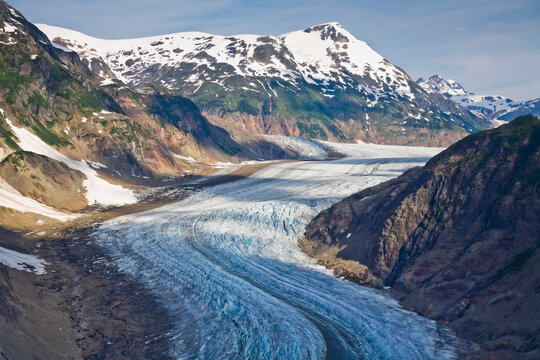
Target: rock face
[
  {"x": 319, "y": 82},
  {"x": 456, "y": 240},
  {"x": 82, "y": 308}
]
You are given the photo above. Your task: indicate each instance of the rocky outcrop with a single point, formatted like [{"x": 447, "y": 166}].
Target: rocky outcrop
[
  {"x": 391, "y": 133},
  {"x": 456, "y": 240},
  {"x": 45, "y": 180}
]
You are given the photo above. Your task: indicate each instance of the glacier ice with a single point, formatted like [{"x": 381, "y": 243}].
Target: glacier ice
[{"x": 226, "y": 264}]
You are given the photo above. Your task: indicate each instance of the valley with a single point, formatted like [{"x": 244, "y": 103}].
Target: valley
[
  {"x": 290, "y": 196},
  {"x": 226, "y": 261}
]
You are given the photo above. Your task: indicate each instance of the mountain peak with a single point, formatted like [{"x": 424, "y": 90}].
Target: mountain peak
[
  {"x": 438, "y": 84},
  {"x": 492, "y": 107},
  {"x": 331, "y": 30},
  {"x": 331, "y": 24}
]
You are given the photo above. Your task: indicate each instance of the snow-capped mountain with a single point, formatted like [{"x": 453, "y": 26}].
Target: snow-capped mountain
[
  {"x": 492, "y": 107},
  {"x": 61, "y": 132},
  {"x": 325, "y": 55},
  {"x": 318, "y": 82},
  {"x": 437, "y": 84}
]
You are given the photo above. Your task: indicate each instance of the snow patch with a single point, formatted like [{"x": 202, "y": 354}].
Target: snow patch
[
  {"x": 96, "y": 165},
  {"x": 98, "y": 191},
  {"x": 9, "y": 28},
  {"x": 188, "y": 159},
  {"x": 61, "y": 47},
  {"x": 306, "y": 148},
  {"x": 107, "y": 81},
  {"x": 24, "y": 262},
  {"x": 12, "y": 199}
]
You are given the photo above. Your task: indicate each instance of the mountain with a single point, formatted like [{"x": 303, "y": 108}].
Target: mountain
[
  {"x": 64, "y": 132},
  {"x": 437, "y": 84},
  {"x": 456, "y": 240},
  {"x": 320, "y": 82},
  {"x": 491, "y": 107}
]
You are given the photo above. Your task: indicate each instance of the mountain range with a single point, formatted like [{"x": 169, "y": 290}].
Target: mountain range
[
  {"x": 490, "y": 107},
  {"x": 320, "y": 82}
]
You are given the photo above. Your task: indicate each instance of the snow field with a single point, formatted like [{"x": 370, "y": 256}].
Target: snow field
[{"x": 311, "y": 54}]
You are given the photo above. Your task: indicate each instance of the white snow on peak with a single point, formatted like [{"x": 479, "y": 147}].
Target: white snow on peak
[
  {"x": 319, "y": 47},
  {"x": 491, "y": 106},
  {"x": 437, "y": 84},
  {"x": 494, "y": 102},
  {"x": 325, "y": 54},
  {"x": 98, "y": 190}
]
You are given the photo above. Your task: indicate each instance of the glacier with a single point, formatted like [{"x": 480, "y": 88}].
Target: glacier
[{"x": 226, "y": 264}]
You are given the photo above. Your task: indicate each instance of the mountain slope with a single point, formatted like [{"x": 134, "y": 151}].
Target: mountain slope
[
  {"x": 457, "y": 240},
  {"x": 108, "y": 135},
  {"x": 319, "y": 82},
  {"x": 491, "y": 107},
  {"x": 43, "y": 179}
]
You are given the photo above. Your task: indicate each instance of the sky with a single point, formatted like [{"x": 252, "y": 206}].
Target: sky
[{"x": 489, "y": 46}]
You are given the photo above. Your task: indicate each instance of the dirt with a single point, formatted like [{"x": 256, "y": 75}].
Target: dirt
[{"x": 83, "y": 307}]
